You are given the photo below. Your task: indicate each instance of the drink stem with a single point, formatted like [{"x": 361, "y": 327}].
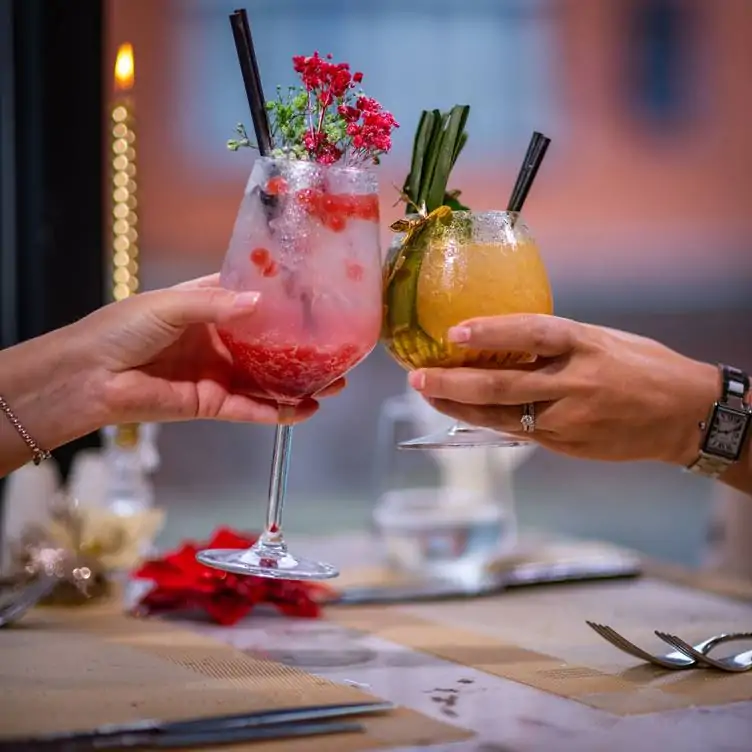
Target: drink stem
[{"x": 278, "y": 486}]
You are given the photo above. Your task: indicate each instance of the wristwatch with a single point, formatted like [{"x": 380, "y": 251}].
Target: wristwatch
[{"x": 727, "y": 426}]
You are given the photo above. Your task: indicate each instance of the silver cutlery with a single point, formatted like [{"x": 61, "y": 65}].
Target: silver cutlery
[
  {"x": 735, "y": 664},
  {"x": 677, "y": 659},
  {"x": 16, "y": 602},
  {"x": 490, "y": 582},
  {"x": 192, "y": 740},
  {"x": 200, "y": 732}
]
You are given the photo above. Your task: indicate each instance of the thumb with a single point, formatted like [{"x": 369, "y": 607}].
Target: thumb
[
  {"x": 180, "y": 307},
  {"x": 537, "y": 334}
]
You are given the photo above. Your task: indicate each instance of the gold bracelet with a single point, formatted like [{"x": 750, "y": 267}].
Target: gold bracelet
[{"x": 38, "y": 454}]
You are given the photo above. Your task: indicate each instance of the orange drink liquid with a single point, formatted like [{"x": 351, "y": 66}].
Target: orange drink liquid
[{"x": 453, "y": 267}]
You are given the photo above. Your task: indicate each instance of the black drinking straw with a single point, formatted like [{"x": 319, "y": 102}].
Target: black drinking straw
[
  {"x": 536, "y": 150},
  {"x": 241, "y": 32},
  {"x": 534, "y": 140}
]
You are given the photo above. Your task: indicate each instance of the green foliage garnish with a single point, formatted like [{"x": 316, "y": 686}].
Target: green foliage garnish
[
  {"x": 325, "y": 119},
  {"x": 439, "y": 140}
]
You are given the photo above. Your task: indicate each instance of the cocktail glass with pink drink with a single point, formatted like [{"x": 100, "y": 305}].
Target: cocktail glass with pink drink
[{"x": 307, "y": 238}]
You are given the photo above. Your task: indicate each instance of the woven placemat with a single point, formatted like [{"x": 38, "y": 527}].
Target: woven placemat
[
  {"x": 63, "y": 670},
  {"x": 538, "y": 637}
]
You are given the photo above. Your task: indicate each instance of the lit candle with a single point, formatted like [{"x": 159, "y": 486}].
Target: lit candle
[
  {"x": 124, "y": 218},
  {"x": 124, "y": 178}
]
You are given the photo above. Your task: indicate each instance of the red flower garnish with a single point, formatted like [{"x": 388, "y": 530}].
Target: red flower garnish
[
  {"x": 348, "y": 114},
  {"x": 183, "y": 584},
  {"x": 325, "y": 120}
]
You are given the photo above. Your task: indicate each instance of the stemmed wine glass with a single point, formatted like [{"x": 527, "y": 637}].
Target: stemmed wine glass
[
  {"x": 451, "y": 267},
  {"x": 307, "y": 238}
]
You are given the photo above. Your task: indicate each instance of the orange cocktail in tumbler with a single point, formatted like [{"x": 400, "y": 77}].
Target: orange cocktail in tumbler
[{"x": 449, "y": 267}]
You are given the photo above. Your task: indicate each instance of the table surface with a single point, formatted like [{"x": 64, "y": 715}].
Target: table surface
[{"x": 506, "y": 715}]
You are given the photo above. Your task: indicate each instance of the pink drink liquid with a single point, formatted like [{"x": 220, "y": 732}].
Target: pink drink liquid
[
  {"x": 288, "y": 373},
  {"x": 314, "y": 258}
]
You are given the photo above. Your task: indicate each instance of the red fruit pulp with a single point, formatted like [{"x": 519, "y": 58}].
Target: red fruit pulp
[
  {"x": 260, "y": 257},
  {"x": 290, "y": 373},
  {"x": 334, "y": 210},
  {"x": 276, "y": 186},
  {"x": 270, "y": 270},
  {"x": 354, "y": 271}
]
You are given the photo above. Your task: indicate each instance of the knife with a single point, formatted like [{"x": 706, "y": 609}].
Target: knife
[
  {"x": 153, "y": 730},
  {"x": 171, "y": 740},
  {"x": 491, "y": 583}
]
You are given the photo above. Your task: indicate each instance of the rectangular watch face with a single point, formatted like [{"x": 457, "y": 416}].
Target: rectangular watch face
[{"x": 726, "y": 432}]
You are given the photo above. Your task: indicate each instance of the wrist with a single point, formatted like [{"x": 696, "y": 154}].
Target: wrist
[
  {"x": 83, "y": 378},
  {"x": 724, "y": 453},
  {"x": 54, "y": 387},
  {"x": 694, "y": 402}
]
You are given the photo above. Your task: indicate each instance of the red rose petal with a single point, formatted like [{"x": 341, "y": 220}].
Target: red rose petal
[{"x": 181, "y": 584}]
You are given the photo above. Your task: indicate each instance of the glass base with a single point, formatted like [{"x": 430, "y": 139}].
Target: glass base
[
  {"x": 274, "y": 561},
  {"x": 459, "y": 437}
]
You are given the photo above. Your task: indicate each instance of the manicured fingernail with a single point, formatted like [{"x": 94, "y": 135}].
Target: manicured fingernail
[
  {"x": 417, "y": 380},
  {"x": 246, "y": 299},
  {"x": 458, "y": 334}
]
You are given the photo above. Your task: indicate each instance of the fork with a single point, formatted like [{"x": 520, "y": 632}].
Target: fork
[
  {"x": 676, "y": 660},
  {"x": 735, "y": 664},
  {"x": 27, "y": 597}
]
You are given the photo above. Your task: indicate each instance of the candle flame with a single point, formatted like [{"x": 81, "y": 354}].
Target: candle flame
[{"x": 124, "y": 67}]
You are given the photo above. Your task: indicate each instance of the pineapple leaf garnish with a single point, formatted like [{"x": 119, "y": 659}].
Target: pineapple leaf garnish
[{"x": 439, "y": 140}]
